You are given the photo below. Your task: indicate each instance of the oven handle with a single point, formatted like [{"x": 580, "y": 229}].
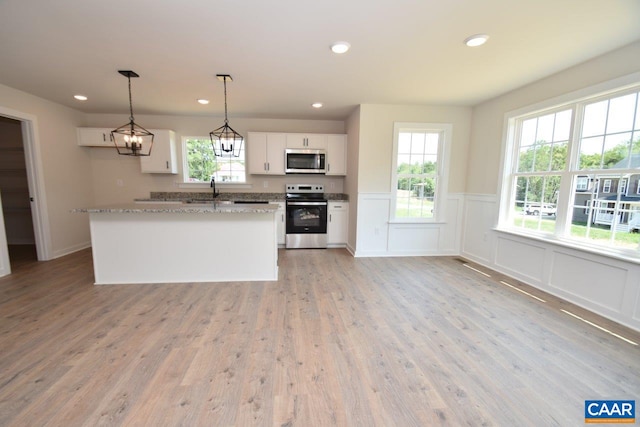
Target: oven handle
[{"x": 306, "y": 203}]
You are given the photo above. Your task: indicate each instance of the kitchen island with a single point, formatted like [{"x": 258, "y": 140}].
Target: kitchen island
[{"x": 181, "y": 243}]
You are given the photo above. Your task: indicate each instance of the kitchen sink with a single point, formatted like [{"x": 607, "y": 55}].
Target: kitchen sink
[{"x": 251, "y": 202}]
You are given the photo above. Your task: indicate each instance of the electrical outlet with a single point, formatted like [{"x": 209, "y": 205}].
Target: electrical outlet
[
  {"x": 119, "y": 182},
  {"x": 265, "y": 184},
  {"x": 332, "y": 185}
]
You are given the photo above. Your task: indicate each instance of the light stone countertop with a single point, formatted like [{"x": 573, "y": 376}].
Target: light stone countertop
[{"x": 199, "y": 208}]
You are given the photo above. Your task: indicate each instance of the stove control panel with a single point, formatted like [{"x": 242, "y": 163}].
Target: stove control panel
[{"x": 304, "y": 188}]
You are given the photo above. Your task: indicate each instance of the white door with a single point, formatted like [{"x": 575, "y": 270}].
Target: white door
[{"x": 5, "y": 265}]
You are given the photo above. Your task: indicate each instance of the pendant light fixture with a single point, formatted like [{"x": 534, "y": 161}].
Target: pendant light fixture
[
  {"x": 132, "y": 139},
  {"x": 226, "y": 141}
]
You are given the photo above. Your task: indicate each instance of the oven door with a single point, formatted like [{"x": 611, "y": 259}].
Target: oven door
[{"x": 306, "y": 217}]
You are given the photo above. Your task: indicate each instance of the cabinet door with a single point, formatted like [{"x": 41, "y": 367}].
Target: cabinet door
[
  {"x": 336, "y": 155},
  {"x": 276, "y": 144},
  {"x": 314, "y": 141},
  {"x": 317, "y": 141},
  {"x": 265, "y": 153},
  {"x": 95, "y": 137},
  {"x": 256, "y": 152},
  {"x": 338, "y": 223},
  {"x": 163, "y": 153},
  {"x": 296, "y": 140}
]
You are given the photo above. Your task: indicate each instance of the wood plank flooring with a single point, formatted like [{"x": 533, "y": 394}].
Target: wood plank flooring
[{"x": 337, "y": 341}]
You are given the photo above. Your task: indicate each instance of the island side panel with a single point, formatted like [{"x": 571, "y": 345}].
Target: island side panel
[{"x": 183, "y": 247}]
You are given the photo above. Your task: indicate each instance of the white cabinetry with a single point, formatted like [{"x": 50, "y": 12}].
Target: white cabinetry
[
  {"x": 315, "y": 141},
  {"x": 280, "y": 220},
  {"x": 163, "y": 153},
  {"x": 95, "y": 137},
  {"x": 338, "y": 223},
  {"x": 336, "y": 154},
  {"x": 265, "y": 153}
]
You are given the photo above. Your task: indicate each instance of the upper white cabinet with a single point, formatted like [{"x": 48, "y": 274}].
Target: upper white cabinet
[
  {"x": 307, "y": 140},
  {"x": 336, "y": 155},
  {"x": 163, "y": 153},
  {"x": 265, "y": 153},
  {"x": 95, "y": 137}
]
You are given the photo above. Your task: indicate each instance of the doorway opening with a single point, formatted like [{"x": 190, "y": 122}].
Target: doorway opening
[{"x": 16, "y": 200}]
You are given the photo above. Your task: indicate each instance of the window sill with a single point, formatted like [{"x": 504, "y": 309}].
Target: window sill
[
  {"x": 218, "y": 185},
  {"x": 627, "y": 255},
  {"x": 415, "y": 221}
]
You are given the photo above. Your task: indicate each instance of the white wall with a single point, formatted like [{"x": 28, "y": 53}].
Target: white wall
[
  {"x": 351, "y": 181},
  {"x": 109, "y": 169},
  {"x": 65, "y": 169},
  {"x": 605, "y": 285},
  {"x": 375, "y": 235}
]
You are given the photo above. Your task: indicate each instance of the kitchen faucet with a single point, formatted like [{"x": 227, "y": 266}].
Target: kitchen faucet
[{"x": 213, "y": 185}]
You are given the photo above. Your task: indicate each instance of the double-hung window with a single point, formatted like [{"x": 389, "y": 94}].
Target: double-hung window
[
  {"x": 201, "y": 164},
  {"x": 568, "y": 170},
  {"x": 418, "y": 165}
]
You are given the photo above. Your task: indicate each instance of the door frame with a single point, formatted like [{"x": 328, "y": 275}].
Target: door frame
[{"x": 33, "y": 160}]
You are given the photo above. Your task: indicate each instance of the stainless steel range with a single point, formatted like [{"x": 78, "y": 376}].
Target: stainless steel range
[{"x": 306, "y": 221}]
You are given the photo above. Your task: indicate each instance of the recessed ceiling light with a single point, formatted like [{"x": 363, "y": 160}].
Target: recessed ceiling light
[
  {"x": 340, "y": 47},
  {"x": 80, "y": 97},
  {"x": 317, "y": 105},
  {"x": 476, "y": 40},
  {"x": 203, "y": 101}
]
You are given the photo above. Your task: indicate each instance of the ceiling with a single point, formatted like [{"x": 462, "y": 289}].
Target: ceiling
[{"x": 402, "y": 51}]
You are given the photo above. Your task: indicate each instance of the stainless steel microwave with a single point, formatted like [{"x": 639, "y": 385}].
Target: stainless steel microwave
[{"x": 304, "y": 161}]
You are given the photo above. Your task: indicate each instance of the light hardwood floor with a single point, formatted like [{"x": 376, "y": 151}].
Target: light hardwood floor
[{"x": 336, "y": 341}]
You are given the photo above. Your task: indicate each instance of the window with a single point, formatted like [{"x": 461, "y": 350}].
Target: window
[
  {"x": 568, "y": 169},
  {"x": 582, "y": 183},
  {"x": 623, "y": 186},
  {"x": 200, "y": 163},
  {"x": 541, "y": 156},
  {"x": 418, "y": 164}
]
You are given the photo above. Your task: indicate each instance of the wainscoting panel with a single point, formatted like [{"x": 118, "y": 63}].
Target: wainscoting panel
[
  {"x": 372, "y": 224},
  {"x": 596, "y": 282},
  {"x": 414, "y": 239},
  {"x": 521, "y": 259},
  {"x": 480, "y": 217}
]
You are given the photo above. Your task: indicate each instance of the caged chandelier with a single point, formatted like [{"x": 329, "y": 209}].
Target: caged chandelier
[
  {"x": 132, "y": 139},
  {"x": 225, "y": 140}
]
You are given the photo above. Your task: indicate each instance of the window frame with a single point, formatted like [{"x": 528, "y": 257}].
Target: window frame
[
  {"x": 185, "y": 183},
  {"x": 510, "y": 148},
  {"x": 442, "y": 179}
]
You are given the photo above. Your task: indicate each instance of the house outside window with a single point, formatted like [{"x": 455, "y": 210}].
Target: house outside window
[
  {"x": 418, "y": 164},
  {"x": 201, "y": 164},
  {"x": 580, "y": 156}
]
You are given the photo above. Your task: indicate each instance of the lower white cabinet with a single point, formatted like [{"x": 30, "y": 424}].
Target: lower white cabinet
[
  {"x": 163, "y": 153},
  {"x": 337, "y": 223},
  {"x": 95, "y": 137},
  {"x": 280, "y": 219}
]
